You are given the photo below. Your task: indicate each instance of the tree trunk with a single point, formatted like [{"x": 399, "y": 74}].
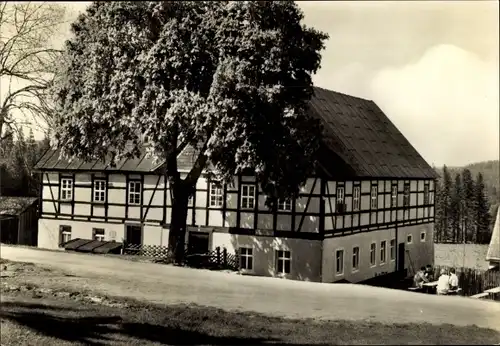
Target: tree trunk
[{"x": 177, "y": 233}]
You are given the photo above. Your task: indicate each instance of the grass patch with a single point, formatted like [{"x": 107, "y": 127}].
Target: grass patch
[{"x": 26, "y": 320}]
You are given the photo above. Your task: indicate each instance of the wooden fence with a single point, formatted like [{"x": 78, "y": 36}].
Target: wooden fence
[
  {"x": 217, "y": 259},
  {"x": 474, "y": 281}
]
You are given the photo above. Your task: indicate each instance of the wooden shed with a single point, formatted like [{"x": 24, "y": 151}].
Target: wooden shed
[{"x": 19, "y": 220}]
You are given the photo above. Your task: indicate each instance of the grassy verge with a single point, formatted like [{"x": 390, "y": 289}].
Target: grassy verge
[{"x": 33, "y": 315}]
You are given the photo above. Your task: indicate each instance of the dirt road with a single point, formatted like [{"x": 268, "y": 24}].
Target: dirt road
[{"x": 167, "y": 284}]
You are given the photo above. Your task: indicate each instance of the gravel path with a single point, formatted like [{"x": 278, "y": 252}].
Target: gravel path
[{"x": 167, "y": 284}]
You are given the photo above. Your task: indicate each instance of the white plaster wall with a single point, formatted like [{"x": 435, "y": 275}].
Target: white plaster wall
[
  {"x": 305, "y": 254},
  {"x": 48, "y": 231},
  {"x": 363, "y": 241}
]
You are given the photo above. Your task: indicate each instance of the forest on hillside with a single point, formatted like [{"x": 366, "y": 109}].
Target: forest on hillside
[
  {"x": 467, "y": 200},
  {"x": 17, "y": 162}
]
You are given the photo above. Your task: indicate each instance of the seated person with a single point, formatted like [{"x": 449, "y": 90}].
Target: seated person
[
  {"x": 443, "y": 285},
  {"x": 453, "y": 280},
  {"x": 420, "y": 278},
  {"x": 429, "y": 273}
]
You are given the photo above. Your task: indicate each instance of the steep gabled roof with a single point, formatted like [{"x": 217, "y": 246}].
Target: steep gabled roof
[
  {"x": 494, "y": 248},
  {"x": 365, "y": 139},
  {"x": 359, "y": 140}
]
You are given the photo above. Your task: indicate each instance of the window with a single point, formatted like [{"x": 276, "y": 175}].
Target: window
[
  {"x": 355, "y": 198},
  {"x": 374, "y": 197},
  {"x": 393, "y": 249},
  {"x": 426, "y": 194},
  {"x": 340, "y": 199},
  {"x": 406, "y": 195},
  {"x": 246, "y": 258},
  {"x": 422, "y": 236},
  {"x": 64, "y": 234},
  {"x": 383, "y": 252},
  {"x": 98, "y": 234},
  {"x": 394, "y": 197},
  {"x": 339, "y": 267},
  {"x": 216, "y": 194},
  {"x": 409, "y": 239},
  {"x": 355, "y": 258},
  {"x": 283, "y": 262},
  {"x": 134, "y": 192},
  {"x": 285, "y": 205},
  {"x": 373, "y": 248},
  {"x": 99, "y": 190},
  {"x": 247, "y": 196},
  {"x": 66, "y": 189},
  {"x": 431, "y": 197}
]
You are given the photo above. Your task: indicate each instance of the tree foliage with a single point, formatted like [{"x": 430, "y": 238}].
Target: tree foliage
[
  {"x": 27, "y": 62},
  {"x": 230, "y": 79},
  {"x": 17, "y": 162},
  {"x": 462, "y": 209}
]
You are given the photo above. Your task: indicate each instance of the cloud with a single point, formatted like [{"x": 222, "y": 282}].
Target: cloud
[{"x": 446, "y": 104}]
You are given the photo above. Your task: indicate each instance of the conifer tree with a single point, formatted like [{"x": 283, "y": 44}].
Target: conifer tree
[
  {"x": 468, "y": 206},
  {"x": 483, "y": 217},
  {"x": 456, "y": 209}
]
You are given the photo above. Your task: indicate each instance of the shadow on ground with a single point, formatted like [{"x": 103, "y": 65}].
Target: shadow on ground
[{"x": 64, "y": 324}]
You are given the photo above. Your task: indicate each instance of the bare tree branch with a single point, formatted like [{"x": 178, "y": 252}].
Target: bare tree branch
[{"x": 27, "y": 61}]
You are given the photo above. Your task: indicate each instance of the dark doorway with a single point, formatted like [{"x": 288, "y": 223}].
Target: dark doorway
[
  {"x": 134, "y": 234},
  {"x": 198, "y": 242},
  {"x": 401, "y": 257},
  {"x": 9, "y": 230}
]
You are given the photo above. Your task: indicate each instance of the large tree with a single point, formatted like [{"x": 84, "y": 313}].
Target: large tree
[
  {"x": 27, "y": 62},
  {"x": 230, "y": 79}
]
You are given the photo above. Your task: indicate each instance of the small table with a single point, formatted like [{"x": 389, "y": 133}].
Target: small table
[
  {"x": 430, "y": 286},
  {"x": 493, "y": 290}
]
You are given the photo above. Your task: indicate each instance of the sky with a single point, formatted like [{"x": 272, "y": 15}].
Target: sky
[{"x": 431, "y": 66}]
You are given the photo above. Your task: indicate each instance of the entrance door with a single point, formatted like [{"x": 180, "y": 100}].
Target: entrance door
[
  {"x": 401, "y": 257},
  {"x": 198, "y": 242},
  {"x": 134, "y": 234}
]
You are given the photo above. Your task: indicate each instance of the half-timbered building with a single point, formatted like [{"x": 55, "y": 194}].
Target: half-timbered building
[{"x": 369, "y": 209}]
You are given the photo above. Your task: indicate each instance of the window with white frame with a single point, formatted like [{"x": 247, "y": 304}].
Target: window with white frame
[
  {"x": 283, "y": 261},
  {"x": 422, "y": 236},
  {"x": 285, "y": 205},
  {"x": 340, "y": 199},
  {"x": 99, "y": 190},
  {"x": 409, "y": 239},
  {"x": 247, "y": 196},
  {"x": 64, "y": 234},
  {"x": 98, "y": 234},
  {"x": 246, "y": 258},
  {"x": 374, "y": 197},
  {"x": 339, "y": 264},
  {"x": 134, "y": 192},
  {"x": 393, "y": 249},
  {"x": 356, "y": 198},
  {"x": 373, "y": 258},
  {"x": 355, "y": 258},
  {"x": 426, "y": 194},
  {"x": 66, "y": 189},
  {"x": 216, "y": 194},
  {"x": 383, "y": 251},
  {"x": 394, "y": 196},
  {"x": 406, "y": 195}
]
